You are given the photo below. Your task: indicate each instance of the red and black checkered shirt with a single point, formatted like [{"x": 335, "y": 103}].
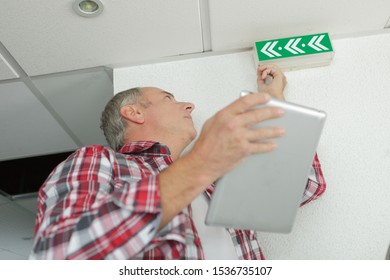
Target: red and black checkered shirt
[{"x": 102, "y": 204}]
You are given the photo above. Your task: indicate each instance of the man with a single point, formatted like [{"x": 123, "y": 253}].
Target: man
[{"x": 133, "y": 201}]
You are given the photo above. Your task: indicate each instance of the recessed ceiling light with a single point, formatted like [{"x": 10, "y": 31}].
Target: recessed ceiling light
[{"x": 88, "y": 8}]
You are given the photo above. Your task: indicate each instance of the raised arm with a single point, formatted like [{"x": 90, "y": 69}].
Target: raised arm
[{"x": 225, "y": 140}]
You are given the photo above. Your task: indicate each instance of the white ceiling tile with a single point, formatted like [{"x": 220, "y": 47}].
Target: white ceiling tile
[
  {"x": 238, "y": 24},
  {"x": 17, "y": 230},
  {"x": 7, "y": 255},
  {"x": 79, "y": 98},
  {"x": 3, "y": 199},
  {"x": 53, "y": 38},
  {"x": 26, "y": 127},
  {"x": 28, "y": 203},
  {"x": 6, "y": 71}
]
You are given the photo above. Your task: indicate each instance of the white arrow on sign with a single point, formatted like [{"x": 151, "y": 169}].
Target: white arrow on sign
[
  {"x": 292, "y": 46},
  {"x": 287, "y": 47},
  {"x": 269, "y": 50},
  {"x": 315, "y": 43}
]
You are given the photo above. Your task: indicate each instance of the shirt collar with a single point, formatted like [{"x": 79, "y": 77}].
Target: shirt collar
[{"x": 145, "y": 148}]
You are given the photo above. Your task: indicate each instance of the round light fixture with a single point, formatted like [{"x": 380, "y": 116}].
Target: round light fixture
[{"x": 88, "y": 8}]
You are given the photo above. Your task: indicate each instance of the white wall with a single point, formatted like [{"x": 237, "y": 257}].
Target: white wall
[{"x": 352, "y": 219}]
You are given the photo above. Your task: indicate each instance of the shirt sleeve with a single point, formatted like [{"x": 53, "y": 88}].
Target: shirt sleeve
[
  {"x": 316, "y": 185},
  {"x": 84, "y": 212}
]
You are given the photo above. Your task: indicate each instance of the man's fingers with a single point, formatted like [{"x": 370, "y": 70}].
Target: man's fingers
[
  {"x": 268, "y": 69},
  {"x": 255, "y": 116},
  {"x": 271, "y": 67},
  {"x": 243, "y": 104},
  {"x": 259, "y": 134},
  {"x": 263, "y": 147}
]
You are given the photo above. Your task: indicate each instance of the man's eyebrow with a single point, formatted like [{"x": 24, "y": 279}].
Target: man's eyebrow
[{"x": 168, "y": 93}]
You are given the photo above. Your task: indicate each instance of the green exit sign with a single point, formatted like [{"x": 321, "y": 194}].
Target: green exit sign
[{"x": 296, "y": 47}]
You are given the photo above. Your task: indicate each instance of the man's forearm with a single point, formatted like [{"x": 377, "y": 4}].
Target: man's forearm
[{"x": 180, "y": 184}]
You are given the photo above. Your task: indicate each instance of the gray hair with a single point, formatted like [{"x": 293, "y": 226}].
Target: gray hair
[{"x": 112, "y": 123}]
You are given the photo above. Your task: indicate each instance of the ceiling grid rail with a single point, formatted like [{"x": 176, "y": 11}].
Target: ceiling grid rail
[
  {"x": 204, "y": 13},
  {"x": 23, "y": 76}
]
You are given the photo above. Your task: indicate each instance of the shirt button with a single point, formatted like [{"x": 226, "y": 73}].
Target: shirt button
[{"x": 163, "y": 150}]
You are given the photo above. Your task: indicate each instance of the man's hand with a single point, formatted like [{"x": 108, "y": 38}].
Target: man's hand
[
  {"x": 275, "y": 84},
  {"x": 227, "y": 137}
]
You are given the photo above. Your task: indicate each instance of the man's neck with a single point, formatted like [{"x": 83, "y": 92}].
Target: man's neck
[{"x": 175, "y": 147}]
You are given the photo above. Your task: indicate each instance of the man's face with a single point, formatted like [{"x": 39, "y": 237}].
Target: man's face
[{"x": 164, "y": 113}]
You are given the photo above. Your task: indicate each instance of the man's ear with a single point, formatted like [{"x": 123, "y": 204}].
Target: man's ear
[{"x": 133, "y": 113}]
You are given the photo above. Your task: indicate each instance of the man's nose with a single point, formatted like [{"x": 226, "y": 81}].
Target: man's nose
[{"x": 189, "y": 107}]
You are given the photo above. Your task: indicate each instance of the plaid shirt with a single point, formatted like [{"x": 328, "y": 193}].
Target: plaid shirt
[{"x": 102, "y": 204}]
